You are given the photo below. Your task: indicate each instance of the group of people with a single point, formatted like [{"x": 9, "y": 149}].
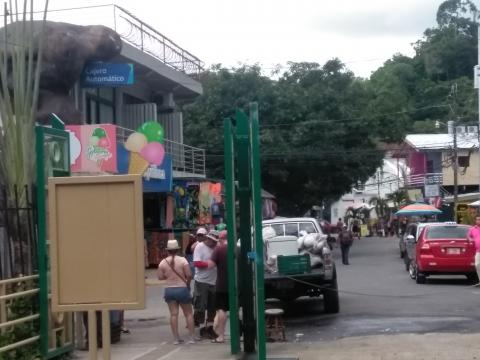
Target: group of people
[{"x": 206, "y": 264}]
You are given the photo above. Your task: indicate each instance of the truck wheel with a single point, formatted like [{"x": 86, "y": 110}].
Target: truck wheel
[{"x": 331, "y": 301}]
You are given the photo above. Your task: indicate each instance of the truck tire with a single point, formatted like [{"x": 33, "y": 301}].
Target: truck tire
[{"x": 331, "y": 301}]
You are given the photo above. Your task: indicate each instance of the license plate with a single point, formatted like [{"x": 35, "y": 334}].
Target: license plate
[{"x": 453, "y": 251}]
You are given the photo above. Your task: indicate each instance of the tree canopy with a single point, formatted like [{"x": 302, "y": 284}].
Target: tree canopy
[{"x": 320, "y": 125}]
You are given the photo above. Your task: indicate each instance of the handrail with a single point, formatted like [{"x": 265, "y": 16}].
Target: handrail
[{"x": 155, "y": 43}]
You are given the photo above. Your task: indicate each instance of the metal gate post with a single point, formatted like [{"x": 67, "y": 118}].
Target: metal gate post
[
  {"x": 229, "y": 160},
  {"x": 257, "y": 228},
  {"x": 58, "y": 138}
]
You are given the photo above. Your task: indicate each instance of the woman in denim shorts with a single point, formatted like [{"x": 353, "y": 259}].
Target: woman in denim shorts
[{"x": 176, "y": 271}]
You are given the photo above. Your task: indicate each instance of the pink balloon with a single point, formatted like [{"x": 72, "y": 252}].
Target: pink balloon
[
  {"x": 103, "y": 142},
  {"x": 153, "y": 153}
]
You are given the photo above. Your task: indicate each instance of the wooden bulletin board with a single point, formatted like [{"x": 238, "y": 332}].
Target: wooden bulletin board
[{"x": 97, "y": 246}]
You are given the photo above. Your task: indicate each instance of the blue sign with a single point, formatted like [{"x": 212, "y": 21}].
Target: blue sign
[
  {"x": 155, "y": 179},
  {"x": 97, "y": 74}
]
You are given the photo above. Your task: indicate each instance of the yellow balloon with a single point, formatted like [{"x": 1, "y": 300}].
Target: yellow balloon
[{"x": 135, "y": 142}]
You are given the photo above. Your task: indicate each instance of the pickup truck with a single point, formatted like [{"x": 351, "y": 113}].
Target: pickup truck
[{"x": 288, "y": 287}]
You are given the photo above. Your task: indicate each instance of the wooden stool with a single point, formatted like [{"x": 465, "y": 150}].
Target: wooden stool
[{"x": 274, "y": 323}]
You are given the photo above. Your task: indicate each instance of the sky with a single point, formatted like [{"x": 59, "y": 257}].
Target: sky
[{"x": 362, "y": 34}]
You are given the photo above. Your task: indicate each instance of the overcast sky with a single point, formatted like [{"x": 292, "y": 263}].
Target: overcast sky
[{"x": 363, "y": 34}]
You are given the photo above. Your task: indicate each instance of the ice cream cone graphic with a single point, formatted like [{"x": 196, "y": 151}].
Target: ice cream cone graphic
[{"x": 137, "y": 164}]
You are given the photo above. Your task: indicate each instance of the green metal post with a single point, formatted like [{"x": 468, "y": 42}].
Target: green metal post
[
  {"x": 232, "y": 235},
  {"x": 42, "y": 240},
  {"x": 44, "y": 135},
  {"x": 257, "y": 221},
  {"x": 245, "y": 268}
]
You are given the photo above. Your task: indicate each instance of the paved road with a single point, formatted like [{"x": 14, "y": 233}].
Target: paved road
[{"x": 378, "y": 297}]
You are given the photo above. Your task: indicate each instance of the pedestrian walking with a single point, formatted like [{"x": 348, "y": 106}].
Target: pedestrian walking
[
  {"x": 356, "y": 228},
  {"x": 205, "y": 280},
  {"x": 219, "y": 260},
  {"x": 345, "y": 238},
  {"x": 339, "y": 225},
  {"x": 176, "y": 271},
  {"x": 474, "y": 236}
]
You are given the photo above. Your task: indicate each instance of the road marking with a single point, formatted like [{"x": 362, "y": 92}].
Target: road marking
[
  {"x": 166, "y": 356},
  {"x": 148, "y": 351}
]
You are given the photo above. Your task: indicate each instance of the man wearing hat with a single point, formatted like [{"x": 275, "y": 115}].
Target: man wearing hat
[{"x": 205, "y": 279}]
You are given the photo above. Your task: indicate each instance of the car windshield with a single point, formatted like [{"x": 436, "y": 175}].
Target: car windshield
[{"x": 446, "y": 232}]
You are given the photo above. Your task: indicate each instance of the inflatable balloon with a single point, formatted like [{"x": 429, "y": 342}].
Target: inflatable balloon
[
  {"x": 153, "y": 153},
  {"x": 153, "y": 131},
  {"x": 135, "y": 142}
]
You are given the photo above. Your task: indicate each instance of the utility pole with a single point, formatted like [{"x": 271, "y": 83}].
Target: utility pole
[{"x": 455, "y": 171}]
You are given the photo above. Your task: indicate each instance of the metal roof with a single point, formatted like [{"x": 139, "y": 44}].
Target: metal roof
[{"x": 441, "y": 141}]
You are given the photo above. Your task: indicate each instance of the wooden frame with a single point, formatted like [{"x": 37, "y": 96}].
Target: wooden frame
[{"x": 97, "y": 243}]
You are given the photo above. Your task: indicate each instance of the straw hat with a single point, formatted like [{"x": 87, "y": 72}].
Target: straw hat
[{"x": 172, "y": 245}]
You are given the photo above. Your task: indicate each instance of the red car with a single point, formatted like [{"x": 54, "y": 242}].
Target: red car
[{"x": 443, "y": 249}]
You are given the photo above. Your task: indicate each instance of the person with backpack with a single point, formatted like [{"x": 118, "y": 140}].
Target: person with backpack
[{"x": 345, "y": 239}]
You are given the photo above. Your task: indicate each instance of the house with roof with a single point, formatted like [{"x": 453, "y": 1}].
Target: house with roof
[{"x": 430, "y": 161}]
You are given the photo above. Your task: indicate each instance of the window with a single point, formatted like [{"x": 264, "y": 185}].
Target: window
[
  {"x": 464, "y": 161},
  {"x": 100, "y": 105},
  {"x": 307, "y": 226},
  {"x": 446, "y": 232},
  {"x": 291, "y": 229},
  {"x": 430, "y": 166}
]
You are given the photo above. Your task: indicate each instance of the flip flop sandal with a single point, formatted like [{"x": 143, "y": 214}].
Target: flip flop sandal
[{"x": 216, "y": 341}]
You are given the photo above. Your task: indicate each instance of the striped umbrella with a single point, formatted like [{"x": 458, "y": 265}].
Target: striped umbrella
[{"x": 418, "y": 209}]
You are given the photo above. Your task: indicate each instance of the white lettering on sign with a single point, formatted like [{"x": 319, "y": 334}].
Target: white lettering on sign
[
  {"x": 96, "y": 71},
  {"x": 155, "y": 173},
  {"x": 105, "y": 79}
]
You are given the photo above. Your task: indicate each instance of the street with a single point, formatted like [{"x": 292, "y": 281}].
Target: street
[{"x": 378, "y": 297}]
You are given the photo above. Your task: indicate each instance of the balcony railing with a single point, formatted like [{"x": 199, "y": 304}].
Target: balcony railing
[
  {"x": 425, "y": 179},
  {"x": 144, "y": 37},
  {"x": 186, "y": 160}
]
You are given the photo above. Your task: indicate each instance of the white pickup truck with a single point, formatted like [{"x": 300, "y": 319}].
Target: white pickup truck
[{"x": 320, "y": 279}]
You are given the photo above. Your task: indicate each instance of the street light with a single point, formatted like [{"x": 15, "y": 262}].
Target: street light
[{"x": 455, "y": 163}]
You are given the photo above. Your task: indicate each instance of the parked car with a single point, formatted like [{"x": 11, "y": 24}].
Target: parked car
[
  {"x": 409, "y": 239},
  {"x": 322, "y": 274},
  {"x": 443, "y": 249}
]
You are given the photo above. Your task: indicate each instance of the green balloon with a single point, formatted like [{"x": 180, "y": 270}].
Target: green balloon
[
  {"x": 99, "y": 132},
  {"x": 153, "y": 131}
]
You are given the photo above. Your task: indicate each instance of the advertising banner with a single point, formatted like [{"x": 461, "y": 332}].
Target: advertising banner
[{"x": 93, "y": 148}]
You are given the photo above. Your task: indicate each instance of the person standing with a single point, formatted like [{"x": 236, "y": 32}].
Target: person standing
[
  {"x": 176, "y": 271},
  {"x": 219, "y": 260},
  {"x": 345, "y": 238},
  {"x": 474, "y": 235},
  {"x": 339, "y": 225},
  {"x": 205, "y": 280}
]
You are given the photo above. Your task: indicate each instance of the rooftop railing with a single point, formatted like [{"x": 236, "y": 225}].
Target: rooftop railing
[
  {"x": 144, "y": 37},
  {"x": 425, "y": 179}
]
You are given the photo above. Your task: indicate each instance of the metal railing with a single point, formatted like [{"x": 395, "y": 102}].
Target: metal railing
[
  {"x": 425, "y": 179},
  {"x": 144, "y": 37},
  {"x": 186, "y": 159}
]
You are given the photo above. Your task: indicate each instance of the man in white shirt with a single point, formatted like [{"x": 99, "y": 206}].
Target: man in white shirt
[{"x": 205, "y": 280}]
